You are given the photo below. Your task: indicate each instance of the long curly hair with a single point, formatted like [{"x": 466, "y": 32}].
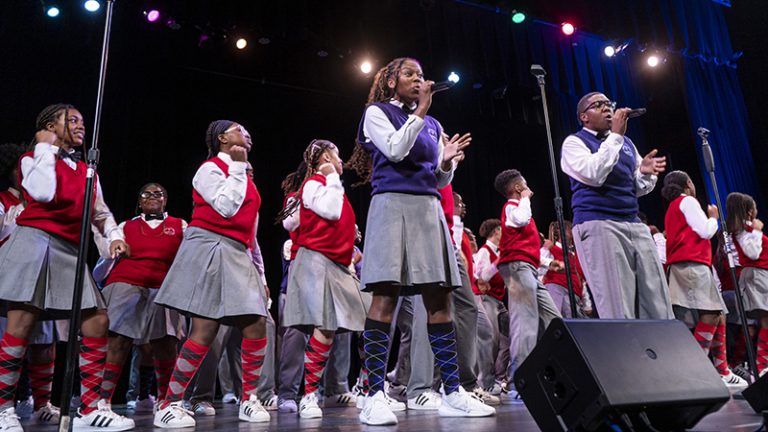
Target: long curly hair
[{"x": 360, "y": 161}]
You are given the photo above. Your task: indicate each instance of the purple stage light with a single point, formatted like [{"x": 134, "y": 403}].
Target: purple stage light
[{"x": 152, "y": 15}]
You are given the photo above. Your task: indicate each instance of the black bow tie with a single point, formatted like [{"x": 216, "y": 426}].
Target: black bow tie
[
  {"x": 75, "y": 156},
  {"x": 602, "y": 136},
  {"x": 154, "y": 216},
  {"x": 408, "y": 109}
]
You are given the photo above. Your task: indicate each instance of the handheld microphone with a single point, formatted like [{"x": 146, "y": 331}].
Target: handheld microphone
[
  {"x": 442, "y": 85},
  {"x": 706, "y": 150},
  {"x": 637, "y": 112}
]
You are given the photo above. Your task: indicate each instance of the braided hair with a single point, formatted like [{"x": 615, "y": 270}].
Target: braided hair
[
  {"x": 49, "y": 114},
  {"x": 312, "y": 154},
  {"x": 9, "y": 161},
  {"x": 143, "y": 188},
  {"x": 361, "y": 161},
  {"x": 212, "y": 141},
  {"x": 674, "y": 185},
  {"x": 737, "y": 208}
]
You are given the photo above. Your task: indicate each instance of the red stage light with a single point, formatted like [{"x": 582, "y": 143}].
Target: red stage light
[{"x": 567, "y": 28}]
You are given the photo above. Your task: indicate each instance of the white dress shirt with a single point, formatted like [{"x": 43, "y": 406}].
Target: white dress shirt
[
  {"x": 751, "y": 242},
  {"x": 695, "y": 218},
  {"x": 593, "y": 169},
  {"x": 485, "y": 269},
  {"x": 291, "y": 222},
  {"x": 39, "y": 180},
  {"x": 325, "y": 200},
  {"x": 520, "y": 215},
  {"x": 8, "y": 216},
  {"x": 224, "y": 194}
]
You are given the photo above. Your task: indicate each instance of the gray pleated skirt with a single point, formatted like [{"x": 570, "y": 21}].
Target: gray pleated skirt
[
  {"x": 38, "y": 269},
  {"x": 133, "y": 313},
  {"x": 212, "y": 277},
  {"x": 692, "y": 285},
  {"x": 323, "y": 294},
  {"x": 407, "y": 243},
  {"x": 754, "y": 283}
]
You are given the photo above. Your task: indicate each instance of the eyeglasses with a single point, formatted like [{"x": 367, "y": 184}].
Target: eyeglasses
[
  {"x": 601, "y": 104},
  {"x": 237, "y": 127},
  {"x": 148, "y": 195}
]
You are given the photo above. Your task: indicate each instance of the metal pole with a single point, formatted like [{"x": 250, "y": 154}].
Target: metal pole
[
  {"x": 73, "y": 346},
  {"x": 709, "y": 163},
  {"x": 539, "y": 73}
]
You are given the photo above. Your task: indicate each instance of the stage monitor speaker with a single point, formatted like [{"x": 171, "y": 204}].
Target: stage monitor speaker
[
  {"x": 585, "y": 375},
  {"x": 757, "y": 394}
]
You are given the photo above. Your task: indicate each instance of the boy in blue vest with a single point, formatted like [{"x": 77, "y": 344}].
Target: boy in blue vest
[{"x": 616, "y": 250}]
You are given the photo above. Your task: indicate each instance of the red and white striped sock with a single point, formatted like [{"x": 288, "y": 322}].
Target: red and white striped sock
[
  {"x": 112, "y": 373},
  {"x": 41, "y": 381},
  {"x": 187, "y": 363},
  {"x": 93, "y": 357},
  {"x": 315, "y": 358},
  {"x": 163, "y": 371},
  {"x": 12, "y": 351},
  {"x": 252, "y": 358},
  {"x": 704, "y": 333}
]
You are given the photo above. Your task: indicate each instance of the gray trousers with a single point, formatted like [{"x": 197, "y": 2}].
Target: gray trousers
[
  {"x": 623, "y": 270},
  {"x": 293, "y": 343},
  {"x": 530, "y": 310},
  {"x": 562, "y": 300},
  {"x": 465, "y": 312},
  {"x": 488, "y": 339},
  {"x": 228, "y": 338},
  {"x": 415, "y": 361}
]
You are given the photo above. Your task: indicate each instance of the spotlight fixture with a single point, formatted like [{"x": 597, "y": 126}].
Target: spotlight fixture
[
  {"x": 567, "y": 28},
  {"x": 518, "y": 17},
  {"x": 366, "y": 67},
  {"x": 241, "y": 43},
  {"x": 152, "y": 15},
  {"x": 453, "y": 77},
  {"x": 264, "y": 40},
  {"x": 609, "y": 51},
  {"x": 653, "y": 60},
  {"x": 92, "y": 5},
  {"x": 52, "y": 11}
]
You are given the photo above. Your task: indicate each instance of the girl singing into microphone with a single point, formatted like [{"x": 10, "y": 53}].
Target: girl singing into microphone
[{"x": 401, "y": 152}]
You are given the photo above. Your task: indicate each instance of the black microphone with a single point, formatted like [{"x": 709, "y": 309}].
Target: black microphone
[
  {"x": 637, "y": 112},
  {"x": 537, "y": 70},
  {"x": 706, "y": 150},
  {"x": 442, "y": 85}
]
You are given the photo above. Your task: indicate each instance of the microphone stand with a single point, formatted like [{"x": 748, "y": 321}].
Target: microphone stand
[
  {"x": 709, "y": 164},
  {"x": 539, "y": 73},
  {"x": 73, "y": 346}
]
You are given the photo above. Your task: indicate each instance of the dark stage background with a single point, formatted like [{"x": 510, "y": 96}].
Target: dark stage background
[{"x": 164, "y": 87}]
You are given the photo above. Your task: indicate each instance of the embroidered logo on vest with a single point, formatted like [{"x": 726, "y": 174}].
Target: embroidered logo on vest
[
  {"x": 627, "y": 151},
  {"x": 432, "y": 134},
  {"x": 169, "y": 231}
]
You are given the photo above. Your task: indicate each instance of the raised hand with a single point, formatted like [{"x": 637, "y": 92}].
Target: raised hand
[
  {"x": 238, "y": 154},
  {"x": 652, "y": 164},
  {"x": 454, "y": 146},
  {"x": 45, "y": 136},
  {"x": 119, "y": 248}
]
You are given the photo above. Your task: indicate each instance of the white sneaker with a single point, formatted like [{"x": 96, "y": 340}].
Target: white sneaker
[
  {"x": 9, "y": 421},
  {"x": 347, "y": 399},
  {"x": 174, "y": 416},
  {"x": 394, "y": 405},
  {"x": 377, "y": 412},
  {"x": 733, "y": 381},
  {"x": 229, "y": 398},
  {"x": 48, "y": 414},
  {"x": 25, "y": 408},
  {"x": 204, "y": 408},
  {"x": 101, "y": 419},
  {"x": 359, "y": 393},
  {"x": 145, "y": 405},
  {"x": 270, "y": 403},
  {"x": 426, "y": 401},
  {"x": 308, "y": 407},
  {"x": 252, "y": 411},
  {"x": 509, "y": 395},
  {"x": 464, "y": 404},
  {"x": 398, "y": 392},
  {"x": 486, "y": 397},
  {"x": 495, "y": 389}
]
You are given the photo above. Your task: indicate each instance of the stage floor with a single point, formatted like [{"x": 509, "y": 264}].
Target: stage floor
[{"x": 735, "y": 416}]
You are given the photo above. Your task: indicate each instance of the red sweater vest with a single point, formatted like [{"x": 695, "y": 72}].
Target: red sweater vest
[
  {"x": 152, "y": 252},
  {"x": 745, "y": 261},
  {"x": 683, "y": 244},
  {"x": 559, "y": 278},
  {"x": 241, "y": 225},
  {"x": 446, "y": 202},
  {"x": 62, "y": 215},
  {"x": 519, "y": 244},
  {"x": 334, "y": 239},
  {"x": 466, "y": 249},
  {"x": 8, "y": 200},
  {"x": 497, "y": 289}
]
